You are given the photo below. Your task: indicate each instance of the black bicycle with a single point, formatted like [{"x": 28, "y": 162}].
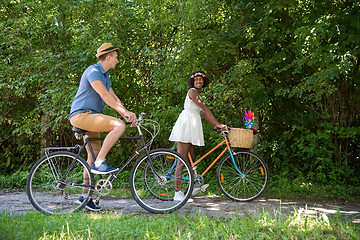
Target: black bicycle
[{"x": 58, "y": 179}]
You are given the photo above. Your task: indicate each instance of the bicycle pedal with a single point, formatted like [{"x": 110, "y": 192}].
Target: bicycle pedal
[{"x": 204, "y": 187}]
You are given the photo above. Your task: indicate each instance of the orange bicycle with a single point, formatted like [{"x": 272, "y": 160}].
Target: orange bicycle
[{"x": 241, "y": 175}]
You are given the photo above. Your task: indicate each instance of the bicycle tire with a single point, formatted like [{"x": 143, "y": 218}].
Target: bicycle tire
[
  {"x": 247, "y": 187},
  {"x": 156, "y": 195},
  {"x": 49, "y": 193}
]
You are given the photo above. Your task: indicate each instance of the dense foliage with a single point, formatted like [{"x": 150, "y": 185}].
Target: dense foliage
[{"x": 294, "y": 63}]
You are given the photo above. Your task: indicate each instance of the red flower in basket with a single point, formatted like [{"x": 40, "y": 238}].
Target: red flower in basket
[
  {"x": 249, "y": 115},
  {"x": 249, "y": 119}
]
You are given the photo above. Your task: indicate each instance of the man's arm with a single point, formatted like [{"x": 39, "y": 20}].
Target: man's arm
[
  {"x": 112, "y": 100},
  {"x": 111, "y": 91},
  {"x": 127, "y": 116}
]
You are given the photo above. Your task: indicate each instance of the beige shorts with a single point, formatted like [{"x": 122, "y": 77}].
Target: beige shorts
[{"x": 95, "y": 124}]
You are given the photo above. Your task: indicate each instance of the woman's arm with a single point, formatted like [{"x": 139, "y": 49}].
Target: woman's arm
[{"x": 205, "y": 111}]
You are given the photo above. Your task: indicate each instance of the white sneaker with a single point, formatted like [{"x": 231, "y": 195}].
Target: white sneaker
[
  {"x": 199, "y": 189},
  {"x": 179, "y": 197}
]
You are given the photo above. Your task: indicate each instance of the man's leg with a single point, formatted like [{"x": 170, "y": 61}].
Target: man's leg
[
  {"x": 100, "y": 167},
  {"x": 95, "y": 145},
  {"x": 118, "y": 129},
  {"x": 101, "y": 123},
  {"x": 90, "y": 161}
]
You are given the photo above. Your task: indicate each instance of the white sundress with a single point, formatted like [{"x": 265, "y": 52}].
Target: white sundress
[{"x": 188, "y": 127}]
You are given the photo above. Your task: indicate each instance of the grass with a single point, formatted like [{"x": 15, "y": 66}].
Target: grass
[
  {"x": 299, "y": 188},
  {"x": 110, "y": 225}
]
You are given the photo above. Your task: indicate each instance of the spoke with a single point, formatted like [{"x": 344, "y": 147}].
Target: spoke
[{"x": 247, "y": 186}]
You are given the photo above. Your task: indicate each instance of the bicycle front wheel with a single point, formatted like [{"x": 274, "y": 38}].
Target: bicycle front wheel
[
  {"x": 55, "y": 183},
  {"x": 152, "y": 183},
  {"x": 242, "y": 176}
]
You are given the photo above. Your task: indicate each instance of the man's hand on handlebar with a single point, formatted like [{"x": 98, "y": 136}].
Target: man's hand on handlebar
[{"x": 130, "y": 117}]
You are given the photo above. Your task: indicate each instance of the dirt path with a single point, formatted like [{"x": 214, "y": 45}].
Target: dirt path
[{"x": 17, "y": 202}]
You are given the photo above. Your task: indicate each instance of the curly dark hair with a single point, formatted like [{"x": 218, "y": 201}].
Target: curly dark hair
[{"x": 190, "y": 81}]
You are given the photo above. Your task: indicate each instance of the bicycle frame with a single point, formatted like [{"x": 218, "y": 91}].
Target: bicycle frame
[
  {"x": 112, "y": 176},
  {"x": 136, "y": 153},
  {"x": 193, "y": 164},
  {"x": 227, "y": 148}
]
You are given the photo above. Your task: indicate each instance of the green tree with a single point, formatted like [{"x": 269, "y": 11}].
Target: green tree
[{"x": 294, "y": 63}]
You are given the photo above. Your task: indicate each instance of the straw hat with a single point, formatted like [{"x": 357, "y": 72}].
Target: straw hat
[{"x": 105, "y": 48}]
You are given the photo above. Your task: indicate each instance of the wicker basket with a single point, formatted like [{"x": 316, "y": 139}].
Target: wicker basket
[{"x": 241, "y": 138}]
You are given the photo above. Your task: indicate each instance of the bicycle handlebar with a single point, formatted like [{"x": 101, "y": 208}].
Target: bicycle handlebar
[
  {"x": 140, "y": 118},
  {"x": 255, "y": 131},
  {"x": 217, "y": 129}
]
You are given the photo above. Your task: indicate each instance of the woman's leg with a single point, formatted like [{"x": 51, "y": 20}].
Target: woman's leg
[
  {"x": 183, "y": 149},
  {"x": 192, "y": 152}
]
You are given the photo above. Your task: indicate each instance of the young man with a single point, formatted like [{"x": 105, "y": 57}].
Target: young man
[{"x": 87, "y": 107}]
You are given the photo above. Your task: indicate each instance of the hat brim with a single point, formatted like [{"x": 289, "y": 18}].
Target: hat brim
[{"x": 107, "y": 51}]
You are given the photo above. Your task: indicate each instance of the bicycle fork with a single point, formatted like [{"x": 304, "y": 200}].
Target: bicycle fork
[{"x": 233, "y": 160}]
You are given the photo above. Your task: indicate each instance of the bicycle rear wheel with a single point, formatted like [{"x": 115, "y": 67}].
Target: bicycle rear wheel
[
  {"x": 153, "y": 188},
  {"x": 243, "y": 177},
  {"x": 55, "y": 183}
]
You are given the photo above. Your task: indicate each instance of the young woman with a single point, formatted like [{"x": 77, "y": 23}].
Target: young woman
[{"x": 188, "y": 131}]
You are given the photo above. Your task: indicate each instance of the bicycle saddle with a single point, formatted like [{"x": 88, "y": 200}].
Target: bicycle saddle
[{"x": 78, "y": 130}]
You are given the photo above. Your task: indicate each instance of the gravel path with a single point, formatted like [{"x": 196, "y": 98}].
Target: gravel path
[{"x": 17, "y": 202}]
